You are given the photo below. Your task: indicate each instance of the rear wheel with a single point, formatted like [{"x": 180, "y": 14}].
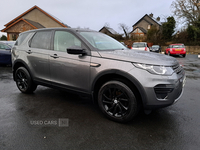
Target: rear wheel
[
  {"x": 117, "y": 101},
  {"x": 184, "y": 55},
  {"x": 24, "y": 81}
]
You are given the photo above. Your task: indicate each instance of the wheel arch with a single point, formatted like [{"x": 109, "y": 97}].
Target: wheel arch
[
  {"x": 108, "y": 75},
  {"x": 17, "y": 64}
]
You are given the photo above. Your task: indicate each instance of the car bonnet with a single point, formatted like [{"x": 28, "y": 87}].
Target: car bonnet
[{"x": 139, "y": 57}]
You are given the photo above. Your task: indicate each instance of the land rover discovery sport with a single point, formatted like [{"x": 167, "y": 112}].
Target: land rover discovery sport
[{"x": 121, "y": 81}]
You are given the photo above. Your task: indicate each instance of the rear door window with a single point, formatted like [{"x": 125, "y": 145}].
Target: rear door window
[{"x": 41, "y": 40}]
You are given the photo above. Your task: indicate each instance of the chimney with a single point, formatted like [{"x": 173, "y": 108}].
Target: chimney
[
  {"x": 158, "y": 18},
  {"x": 151, "y": 15}
]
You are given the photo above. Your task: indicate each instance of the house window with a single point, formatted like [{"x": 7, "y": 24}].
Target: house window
[{"x": 149, "y": 26}]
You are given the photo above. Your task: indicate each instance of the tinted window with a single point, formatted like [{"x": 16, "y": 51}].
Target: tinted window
[
  {"x": 41, "y": 40},
  {"x": 64, "y": 40},
  {"x": 21, "y": 38}
]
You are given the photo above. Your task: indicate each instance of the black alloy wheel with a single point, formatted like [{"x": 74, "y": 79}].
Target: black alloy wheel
[
  {"x": 24, "y": 81},
  {"x": 117, "y": 101}
]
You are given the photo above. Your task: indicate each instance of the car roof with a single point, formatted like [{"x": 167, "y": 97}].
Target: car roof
[{"x": 69, "y": 29}]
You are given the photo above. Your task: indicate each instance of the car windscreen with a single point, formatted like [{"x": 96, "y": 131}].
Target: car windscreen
[
  {"x": 9, "y": 43},
  {"x": 102, "y": 41},
  {"x": 178, "y": 46},
  {"x": 136, "y": 45}
]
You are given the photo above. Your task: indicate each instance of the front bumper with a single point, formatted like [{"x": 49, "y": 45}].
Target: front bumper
[
  {"x": 177, "y": 52},
  {"x": 160, "y": 91}
]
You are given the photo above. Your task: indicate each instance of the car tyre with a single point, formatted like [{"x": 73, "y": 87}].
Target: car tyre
[
  {"x": 24, "y": 81},
  {"x": 169, "y": 54},
  {"x": 117, "y": 101},
  {"x": 184, "y": 55}
]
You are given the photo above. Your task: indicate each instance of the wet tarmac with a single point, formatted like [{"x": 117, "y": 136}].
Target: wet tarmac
[{"x": 49, "y": 120}]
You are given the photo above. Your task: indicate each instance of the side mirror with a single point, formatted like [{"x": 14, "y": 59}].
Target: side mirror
[{"x": 76, "y": 50}]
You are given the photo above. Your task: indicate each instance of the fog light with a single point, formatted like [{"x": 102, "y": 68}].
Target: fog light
[{"x": 163, "y": 90}]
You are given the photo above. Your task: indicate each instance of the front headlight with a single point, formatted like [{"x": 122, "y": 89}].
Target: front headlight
[{"x": 153, "y": 69}]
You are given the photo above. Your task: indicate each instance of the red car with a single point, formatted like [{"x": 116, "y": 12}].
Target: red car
[{"x": 176, "y": 49}]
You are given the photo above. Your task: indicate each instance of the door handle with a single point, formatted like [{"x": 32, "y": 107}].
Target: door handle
[
  {"x": 29, "y": 51},
  {"x": 94, "y": 65},
  {"x": 54, "y": 56}
]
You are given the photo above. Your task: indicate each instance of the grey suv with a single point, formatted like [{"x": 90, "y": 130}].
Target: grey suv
[{"x": 121, "y": 81}]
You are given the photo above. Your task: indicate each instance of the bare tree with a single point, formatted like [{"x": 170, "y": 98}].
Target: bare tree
[
  {"x": 125, "y": 28},
  {"x": 106, "y": 24},
  {"x": 188, "y": 10}
]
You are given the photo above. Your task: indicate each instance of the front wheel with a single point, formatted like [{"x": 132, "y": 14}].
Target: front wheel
[
  {"x": 117, "y": 101},
  {"x": 24, "y": 81}
]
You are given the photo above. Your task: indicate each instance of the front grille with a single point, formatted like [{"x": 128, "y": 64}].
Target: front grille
[{"x": 177, "y": 68}]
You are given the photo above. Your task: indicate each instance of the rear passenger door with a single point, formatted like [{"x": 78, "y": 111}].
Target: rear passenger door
[
  {"x": 38, "y": 55},
  {"x": 67, "y": 70}
]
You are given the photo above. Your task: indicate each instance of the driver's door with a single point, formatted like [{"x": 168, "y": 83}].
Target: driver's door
[{"x": 68, "y": 70}]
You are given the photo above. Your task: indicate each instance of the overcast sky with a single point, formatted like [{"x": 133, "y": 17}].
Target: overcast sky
[{"x": 93, "y": 14}]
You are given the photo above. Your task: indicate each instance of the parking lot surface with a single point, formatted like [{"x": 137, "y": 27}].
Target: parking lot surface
[{"x": 51, "y": 119}]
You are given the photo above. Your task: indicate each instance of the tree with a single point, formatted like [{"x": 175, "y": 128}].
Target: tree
[
  {"x": 187, "y": 10},
  {"x": 3, "y": 38},
  {"x": 152, "y": 34},
  {"x": 125, "y": 28},
  {"x": 168, "y": 28},
  {"x": 194, "y": 31}
]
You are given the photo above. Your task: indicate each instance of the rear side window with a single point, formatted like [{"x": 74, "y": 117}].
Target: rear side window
[
  {"x": 21, "y": 38},
  {"x": 41, "y": 40}
]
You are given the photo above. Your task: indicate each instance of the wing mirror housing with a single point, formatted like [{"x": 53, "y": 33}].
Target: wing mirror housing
[{"x": 76, "y": 50}]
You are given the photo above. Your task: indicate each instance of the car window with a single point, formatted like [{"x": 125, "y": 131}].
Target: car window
[
  {"x": 155, "y": 46},
  {"x": 178, "y": 46},
  {"x": 21, "y": 38},
  {"x": 2, "y": 46},
  {"x": 41, "y": 40},
  {"x": 102, "y": 41},
  {"x": 64, "y": 40},
  {"x": 136, "y": 45}
]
